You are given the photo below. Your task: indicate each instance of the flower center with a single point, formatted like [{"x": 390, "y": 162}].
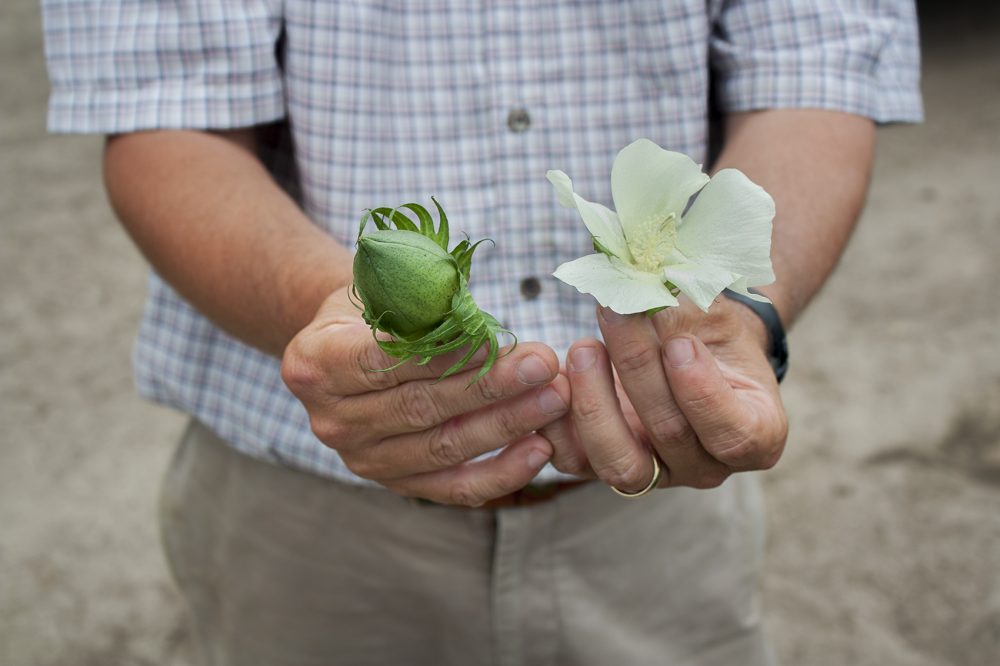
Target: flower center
[{"x": 652, "y": 241}]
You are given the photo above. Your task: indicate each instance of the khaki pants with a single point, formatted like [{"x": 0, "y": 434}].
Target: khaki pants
[{"x": 282, "y": 568}]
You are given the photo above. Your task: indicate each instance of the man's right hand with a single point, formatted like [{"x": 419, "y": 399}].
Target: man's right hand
[{"x": 416, "y": 435}]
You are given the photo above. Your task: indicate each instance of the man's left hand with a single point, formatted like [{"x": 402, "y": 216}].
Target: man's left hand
[{"x": 695, "y": 388}]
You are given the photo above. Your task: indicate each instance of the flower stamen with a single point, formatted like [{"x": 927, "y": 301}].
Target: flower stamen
[{"x": 652, "y": 241}]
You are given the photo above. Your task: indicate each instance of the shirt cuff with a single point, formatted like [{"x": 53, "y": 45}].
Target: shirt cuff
[
  {"x": 819, "y": 88},
  {"x": 170, "y": 104}
]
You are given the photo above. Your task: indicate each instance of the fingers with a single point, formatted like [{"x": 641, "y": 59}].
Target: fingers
[
  {"x": 341, "y": 359},
  {"x": 475, "y": 483},
  {"x": 420, "y": 404},
  {"x": 615, "y": 455},
  {"x": 568, "y": 454},
  {"x": 336, "y": 355},
  {"x": 730, "y": 429},
  {"x": 636, "y": 352},
  {"x": 462, "y": 438},
  {"x": 396, "y": 423}
]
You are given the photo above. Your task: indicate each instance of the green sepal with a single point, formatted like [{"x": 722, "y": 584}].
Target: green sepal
[
  {"x": 599, "y": 247},
  {"x": 443, "y": 233},
  {"x": 402, "y": 222},
  {"x": 465, "y": 325},
  {"x": 463, "y": 255},
  {"x": 440, "y": 235},
  {"x": 383, "y": 217}
]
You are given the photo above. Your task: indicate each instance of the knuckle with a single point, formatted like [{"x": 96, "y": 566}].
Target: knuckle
[
  {"x": 489, "y": 388},
  {"x": 636, "y": 356},
  {"x": 465, "y": 493},
  {"x": 701, "y": 400},
  {"x": 741, "y": 450},
  {"x": 772, "y": 443},
  {"x": 371, "y": 365},
  {"x": 573, "y": 465},
  {"x": 444, "y": 447},
  {"x": 770, "y": 458},
  {"x": 781, "y": 436},
  {"x": 588, "y": 409},
  {"x": 416, "y": 406},
  {"x": 297, "y": 372},
  {"x": 669, "y": 427},
  {"x": 332, "y": 432},
  {"x": 509, "y": 425},
  {"x": 361, "y": 466},
  {"x": 767, "y": 462},
  {"x": 754, "y": 446},
  {"x": 624, "y": 473}
]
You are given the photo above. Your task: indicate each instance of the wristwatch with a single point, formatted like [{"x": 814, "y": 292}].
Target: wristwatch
[{"x": 777, "y": 355}]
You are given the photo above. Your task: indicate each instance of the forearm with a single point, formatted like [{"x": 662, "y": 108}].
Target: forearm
[
  {"x": 216, "y": 227},
  {"x": 816, "y": 165}
]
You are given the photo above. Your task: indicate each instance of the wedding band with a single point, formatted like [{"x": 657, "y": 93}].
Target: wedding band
[{"x": 657, "y": 473}]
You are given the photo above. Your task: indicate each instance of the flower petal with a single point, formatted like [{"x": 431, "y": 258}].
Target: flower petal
[
  {"x": 650, "y": 182},
  {"x": 602, "y": 223},
  {"x": 729, "y": 226},
  {"x": 740, "y": 287},
  {"x": 616, "y": 285},
  {"x": 563, "y": 185},
  {"x": 700, "y": 283}
]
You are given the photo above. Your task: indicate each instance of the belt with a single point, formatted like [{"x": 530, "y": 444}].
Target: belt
[{"x": 530, "y": 495}]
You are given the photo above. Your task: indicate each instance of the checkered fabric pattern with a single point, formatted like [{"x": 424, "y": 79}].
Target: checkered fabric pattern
[{"x": 390, "y": 101}]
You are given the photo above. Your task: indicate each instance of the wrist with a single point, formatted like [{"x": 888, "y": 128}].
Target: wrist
[
  {"x": 765, "y": 326},
  {"x": 753, "y": 325}
]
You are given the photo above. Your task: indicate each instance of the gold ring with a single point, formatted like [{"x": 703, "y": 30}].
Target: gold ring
[{"x": 657, "y": 473}]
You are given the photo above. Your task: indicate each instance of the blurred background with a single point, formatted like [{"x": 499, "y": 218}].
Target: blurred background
[{"x": 884, "y": 512}]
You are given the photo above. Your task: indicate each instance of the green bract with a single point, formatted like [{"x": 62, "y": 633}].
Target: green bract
[{"x": 417, "y": 291}]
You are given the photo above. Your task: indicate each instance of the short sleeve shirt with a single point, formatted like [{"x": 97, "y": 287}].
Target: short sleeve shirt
[{"x": 392, "y": 101}]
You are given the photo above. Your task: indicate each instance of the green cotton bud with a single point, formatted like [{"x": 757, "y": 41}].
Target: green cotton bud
[
  {"x": 412, "y": 287},
  {"x": 406, "y": 280}
]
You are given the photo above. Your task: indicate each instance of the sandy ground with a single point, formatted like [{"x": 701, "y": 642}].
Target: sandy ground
[{"x": 885, "y": 512}]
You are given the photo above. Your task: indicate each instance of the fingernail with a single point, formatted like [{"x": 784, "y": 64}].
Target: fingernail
[
  {"x": 582, "y": 358},
  {"x": 537, "y": 458},
  {"x": 550, "y": 402},
  {"x": 532, "y": 370},
  {"x": 612, "y": 317},
  {"x": 680, "y": 352}
]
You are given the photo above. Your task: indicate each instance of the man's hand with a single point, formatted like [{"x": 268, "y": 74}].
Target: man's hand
[
  {"x": 695, "y": 388},
  {"x": 416, "y": 435}
]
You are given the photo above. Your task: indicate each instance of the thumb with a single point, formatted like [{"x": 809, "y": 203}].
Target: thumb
[{"x": 722, "y": 422}]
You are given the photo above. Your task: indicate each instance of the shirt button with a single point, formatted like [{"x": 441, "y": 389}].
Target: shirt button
[
  {"x": 530, "y": 288},
  {"x": 518, "y": 121}
]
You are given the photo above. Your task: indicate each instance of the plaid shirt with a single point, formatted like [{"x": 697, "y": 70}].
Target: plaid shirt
[{"x": 392, "y": 101}]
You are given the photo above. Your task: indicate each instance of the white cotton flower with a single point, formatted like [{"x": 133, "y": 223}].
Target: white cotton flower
[{"x": 648, "y": 252}]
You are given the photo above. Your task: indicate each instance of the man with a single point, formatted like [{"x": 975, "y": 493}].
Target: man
[{"x": 285, "y": 513}]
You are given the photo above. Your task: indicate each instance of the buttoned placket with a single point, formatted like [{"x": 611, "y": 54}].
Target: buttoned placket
[{"x": 519, "y": 122}]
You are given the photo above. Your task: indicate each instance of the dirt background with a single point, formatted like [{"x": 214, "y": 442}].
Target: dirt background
[{"x": 884, "y": 513}]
